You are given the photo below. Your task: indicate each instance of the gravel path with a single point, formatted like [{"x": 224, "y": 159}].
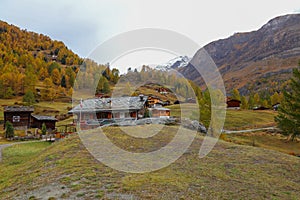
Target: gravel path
[{"x": 249, "y": 130}]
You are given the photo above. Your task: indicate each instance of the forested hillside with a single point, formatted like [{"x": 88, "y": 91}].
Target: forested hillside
[
  {"x": 29, "y": 60},
  {"x": 33, "y": 63}
]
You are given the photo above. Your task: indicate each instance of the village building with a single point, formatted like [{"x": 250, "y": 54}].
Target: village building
[
  {"x": 19, "y": 116},
  {"x": 38, "y": 120},
  {"x": 110, "y": 108},
  {"x": 22, "y": 118},
  {"x": 233, "y": 104},
  {"x": 159, "y": 112},
  {"x": 152, "y": 100},
  {"x": 163, "y": 91}
]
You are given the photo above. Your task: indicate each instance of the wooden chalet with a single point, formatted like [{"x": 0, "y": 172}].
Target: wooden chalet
[
  {"x": 22, "y": 118},
  {"x": 38, "y": 120},
  {"x": 159, "y": 112},
  {"x": 110, "y": 108},
  {"x": 152, "y": 100},
  {"x": 19, "y": 116},
  {"x": 233, "y": 104}
]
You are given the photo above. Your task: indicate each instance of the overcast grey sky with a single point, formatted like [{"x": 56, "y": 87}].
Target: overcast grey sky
[{"x": 82, "y": 26}]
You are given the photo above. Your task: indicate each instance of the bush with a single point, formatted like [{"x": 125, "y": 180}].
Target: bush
[
  {"x": 9, "y": 130},
  {"x": 44, "y": 129}
]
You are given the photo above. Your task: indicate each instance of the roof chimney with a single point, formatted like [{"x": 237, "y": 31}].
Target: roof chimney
[{"x": 141, "y": 97}]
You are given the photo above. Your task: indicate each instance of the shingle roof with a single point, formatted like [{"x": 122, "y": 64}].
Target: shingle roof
[
  {"x": 159, "y": 108},
  {"x": 44, "y": 118},
  {"x": 18, "y": 109},
  {"x": 110, "y": 104}
]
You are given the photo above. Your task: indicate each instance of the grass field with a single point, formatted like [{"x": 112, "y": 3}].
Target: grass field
[
  {"x": 187, "y": 109},
  {"x": 235, "y": 119},
  {"x": 66, "y": 170},
  {"x": 266, "y": 140},
  {"x": 245, "y": 119}
]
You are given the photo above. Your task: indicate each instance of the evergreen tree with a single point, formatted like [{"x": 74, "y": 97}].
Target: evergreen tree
[
  {"x": 288, "y": 118},
  {"x": 106, "y": 88},
  {"x": 44, "y": 129},
  {"x": 63, "y": 81},
  {"x": 8, "y": 93},
  {"x": 9, "y": 130},
  {"x": 100, "y": 84},
  {"x": 29, "y": 98}
]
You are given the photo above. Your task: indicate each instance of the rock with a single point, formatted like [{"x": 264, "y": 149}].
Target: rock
[{"x": 193, "y": 125}]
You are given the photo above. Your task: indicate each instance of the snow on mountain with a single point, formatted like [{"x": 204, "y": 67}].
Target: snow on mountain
[{"x": 175, "y": 63}]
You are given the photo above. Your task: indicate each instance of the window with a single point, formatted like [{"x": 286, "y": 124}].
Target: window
[{"x": 16, "y": 118}]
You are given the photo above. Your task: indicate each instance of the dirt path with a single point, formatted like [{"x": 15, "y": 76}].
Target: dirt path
[{"x": 249, "y": 130}]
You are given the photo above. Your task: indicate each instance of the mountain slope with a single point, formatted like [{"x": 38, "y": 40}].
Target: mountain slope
[
  {"x": 30, "y": 60},
  {"x": 16, "y": 43},
  {"x": 268, "y": 53}
]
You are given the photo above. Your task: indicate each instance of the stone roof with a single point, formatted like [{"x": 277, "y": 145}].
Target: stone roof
[
  {"x": 44, "y": 118},
  {"x": 18, "y": 109},
  {"x": 111, "y": 104},
  {"x": 160, "y": 108}
]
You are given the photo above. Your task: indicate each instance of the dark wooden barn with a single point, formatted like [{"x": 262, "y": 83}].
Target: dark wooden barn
[
  {"x": 233, "y": 104},
  {"x": 38, "y": 120},
  {"x": 19, "y": 116}
]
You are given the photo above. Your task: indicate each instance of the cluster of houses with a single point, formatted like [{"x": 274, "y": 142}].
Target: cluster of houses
[
  {"x": 236, "y": 104},
  {"x": 89, "y": 110},
  {"x": 119, "y": 108},
  {"x": 100, "y": 109}
]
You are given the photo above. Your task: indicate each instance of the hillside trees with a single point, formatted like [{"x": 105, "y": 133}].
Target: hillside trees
[
  {"x": 244, "y": 103},
  {"x": 29, "y": 98},
  {"x": 56, "y": 76},
  {"x": 289, "y": 110},
  {"x": 27, "y": 59},
  {"x": 236, "y": 94}
]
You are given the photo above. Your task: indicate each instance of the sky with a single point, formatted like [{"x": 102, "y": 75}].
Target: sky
[{"x": 83, "y": 25}]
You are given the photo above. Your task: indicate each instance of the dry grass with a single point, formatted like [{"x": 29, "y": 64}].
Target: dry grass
[
  {"x": 65, "y": 170},
  {"x": 266, "y": 140},
  {"x": 235, "y": 119},
  {"x": 245, "y": 119}
]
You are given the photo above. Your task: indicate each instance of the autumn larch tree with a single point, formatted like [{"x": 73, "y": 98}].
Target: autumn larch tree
[{"x": 236, "y": 94}]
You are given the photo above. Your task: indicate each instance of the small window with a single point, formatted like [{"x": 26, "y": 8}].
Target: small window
[{"x": 16, "y": 118}]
